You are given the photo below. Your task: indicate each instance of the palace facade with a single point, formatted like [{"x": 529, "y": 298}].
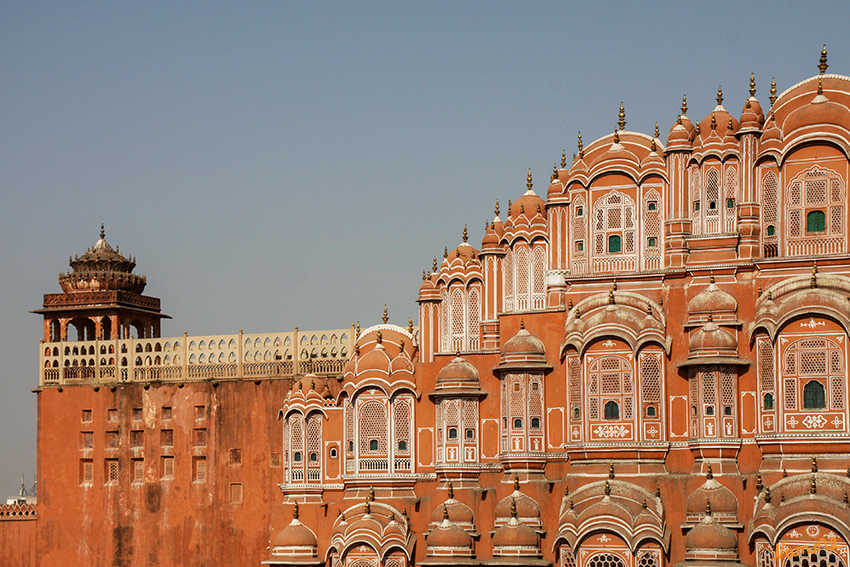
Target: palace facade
[{"x": 647, "y": 366}]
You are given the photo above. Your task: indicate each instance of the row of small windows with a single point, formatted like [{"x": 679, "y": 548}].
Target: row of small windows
[
  {"x": 615, "y": 244},
  {"x": 815, "y": 222},
  {"x": 814, "y": 397},
  {"x": 650, "y": 206},
  {"x": 112, "y": 470},
  {"x": 167, "y": 412},
  {"x": 612, "y": 411},
  {"x": 712, "y": 205}
]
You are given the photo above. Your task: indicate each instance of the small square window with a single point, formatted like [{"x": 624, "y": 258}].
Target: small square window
[
  {"x": 137, "y": 439},
  {"x": 517, "y": 387},
  {"x": 200, "y": 437},
  {"x": 771, "y": 230},
  {"x": 517, "y": 423},
  {"x": 296, "y": 456},
  {"x": 137, "y": 414},
  {"x": 86, "y": 440},
  {"x": 402, "y": 445},
  {"x": 651, "y": 206},
  {"x": 111, "y": 471},
  {"x": 452, "y": 432},
  {"x": 579, "y": 246},
  {"x": 535, "y": 423},
  {"x": 314, "y": 457},
  {"x": 166, "y": 413},
  {"x": 333, "y": 453},
  {"x": 112, "y": 415},
  {"x": 167, "y": 467},
  {"x": 166, "y": 437},
  {"x": 236, "y": 456},
  {"x": 730, "y": 203},
  {"x": 470, "y": 434},
  {"x": 579, "y": 211},
  {"x": 696, "y": 206},
  {"x": 111, "y": 439},
  {"x": 87, "y": 416},
  {"x": 138, "y": 470},
  {"x": 373, "y": 445},
  {"x": 236, "y": 493},
  {"x": 86, "y": 471},
  {"x": 200, "y": 412}
]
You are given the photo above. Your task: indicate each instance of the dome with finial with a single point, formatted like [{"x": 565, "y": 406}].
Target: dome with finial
[
  {"x": 309, "y": 390},
  {"x": 752, "y": 116},
  {"x": 514, "y": 537},
  {"x": 102, "y": 268},
  {"x": 523, "y": 350},
  {"x": 717, "y": 130},
  {"x": 820, "y": 111},
  {"x": 447, "y": 538},
  {"x": 456, "y": 511},
  {"x": 711, "y": 537},
  {"x": 458, "y": 377},
  {"x": 529, "y": 204},
  {"x": 382, "y": 355},
  {"x": 463, "y": 263},
  {"x": 296, "y": 539},
  {"x": 724, "y": 505},
  {"x": 493, "y": 234},
  {"x": 712, "y": 300},
  {"x": 711, "y": 341},
  {"x": 525, "y": 507}
]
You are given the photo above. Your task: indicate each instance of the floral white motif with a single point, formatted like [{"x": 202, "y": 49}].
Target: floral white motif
[
  {"x": 609, "y": 343},
  {"x": 604, "y": 538},
  {"x": 611, "y": 431},
  {"x": 653, "y": 432},
  {"x": 812, "y": 530},
  {"x": 795, "y": 534},
  {"x": 791, "y": 421},
  {"x": 814, "y": 421},
  {"x": 768, "y": 422},
  {"x": 811, "y": 324},
  {"x": 837, "y": 422}
]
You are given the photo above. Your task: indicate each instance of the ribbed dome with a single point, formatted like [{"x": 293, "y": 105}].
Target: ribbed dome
[
  {"x": 458, "y": 374},
  {"x": 526, "y": 507},
  {"x": 523, "y": 343},
  {"x": 448, "y": 534},
  {"x": 752, "y": 116},
  {"x": 458, "y": 512},
  {"x": 712, "y": 339},
  {"x": 295, "y": 535},
  {"x": 102, "y": 268},
  {"x": 712, "y": 300},
  {"x": 819, "y": 111},
  {"x": 711, "y": 535},
  {"x": 723, "y": 502},
  {"x": 515, "y": 534}
]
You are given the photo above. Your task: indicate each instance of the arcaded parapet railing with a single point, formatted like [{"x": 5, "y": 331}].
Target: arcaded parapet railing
[
  {"x": 17, "y": 512},
  {"x": 212, "y": 357}
]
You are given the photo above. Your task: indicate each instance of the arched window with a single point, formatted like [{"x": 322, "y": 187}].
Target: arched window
[
  {"x": 814, "y": 395},
  {"x": 614, "y": 244},
  {"x": 816, "y": 221},
  {"x": 768, "y": 402},
  {"x": 612, "y": 410}
]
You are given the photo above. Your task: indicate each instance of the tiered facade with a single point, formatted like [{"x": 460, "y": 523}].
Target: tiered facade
[{"x": 648, "y": 367}]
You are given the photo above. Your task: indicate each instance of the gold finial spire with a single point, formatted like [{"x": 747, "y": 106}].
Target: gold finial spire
[
  {"x": 424, "y": 275},
  {"x": 711, "y": 276},
  {"x": 709, "y": 474},
  {"x": 368, "y": 508},
  {"x": 710, "y": 317},
  {"x": 611, "y": 470},
  {"x": 371, "y": 493},
  {"x": 554, "y": 171},
  {"x": 696, "y": 128},
  {"x": 445, "y": 252},
  {"x": 465, "y": 234},
  {"x": 521, "y": 323},
  {"x": 564, "y": 159},
  {"x": 516, "y": 476},
  {"x": 719, "y": 96},
  {"x": 731, "y": 124},
  {"x": 708, "y": 507},
  {"x": 616, "y": 136},
  {"x": 385, "y": 317},
  {"x": 684, "y": 105},
  {"x": 820, "y": 86},
  {"x": 451, "y": 490},
  {"x": 295, "y": 510},
  {"x": 814, "y": 283},
  {"x": 679, "y": 118},
  {"x": 607, "y": 489},
  {"x": 434, "y": 265},
  {"x": 578, "y": 312},
  {"x": 652, "y": 145},
  {"x": 410, "y": 325},
  {"x": 752, "y": 84},
  {"x": 611, "y": 297},
  {"x": 767, "y": 496},
  {"x": 379, "y": 337},
  {"x": 401, "y": 345},
  {"x": 822, "y": 65},
  {"x": 814, "y": 464},
  {"x": 497, "y": 207},
  {"x": 445, "y": 512},
  {"x": 713, "y": 121},
  {"x": 622, "y": 117},
  {"x": 102, "y": 232},
  {"x": 772, "y": 91},
  {"x": 528, "y": 179},
  {"x": 513, "y": 507},
  {"x": 813, "y": 486},
  {"x": 357, "y": 331},
  {"x": 657, "y": 133},
  {"x": 580, "y": 147}
]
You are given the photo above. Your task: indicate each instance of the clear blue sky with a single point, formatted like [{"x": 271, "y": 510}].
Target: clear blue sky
[{"x": 300, "y": 163}]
